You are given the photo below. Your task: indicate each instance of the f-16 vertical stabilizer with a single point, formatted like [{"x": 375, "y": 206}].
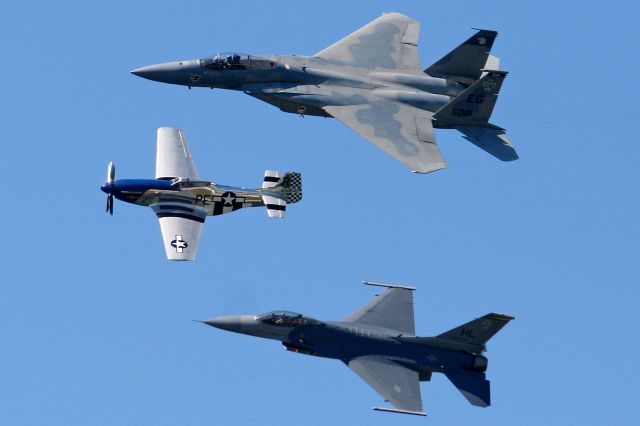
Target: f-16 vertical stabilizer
[{"x": 477, "y": 332}]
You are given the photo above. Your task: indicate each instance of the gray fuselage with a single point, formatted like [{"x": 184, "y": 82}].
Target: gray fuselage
[{"x": 303, "y": 84}]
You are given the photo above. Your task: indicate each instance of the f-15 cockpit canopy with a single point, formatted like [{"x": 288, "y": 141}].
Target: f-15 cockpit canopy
[
  {"x": 237, "y": 61},
  {"x": 285, "y": 319}
]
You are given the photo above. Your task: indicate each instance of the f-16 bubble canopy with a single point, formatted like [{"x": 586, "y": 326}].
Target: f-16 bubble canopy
[{"x": 285, "y": 319}]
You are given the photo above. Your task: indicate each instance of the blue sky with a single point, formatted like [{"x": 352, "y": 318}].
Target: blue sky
[{"x": 96, "y": 324}]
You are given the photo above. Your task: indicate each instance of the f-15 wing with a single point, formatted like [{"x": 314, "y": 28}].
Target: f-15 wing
[
  {"x": 390, "y": 42},
  {"x": 397, "y": 384},
  {"x": 400, "y": 130}
]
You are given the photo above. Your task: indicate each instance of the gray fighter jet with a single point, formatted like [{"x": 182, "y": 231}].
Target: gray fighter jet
[
  {"x": 371, "y": 81},
  {"x": 379, "y": 343}
]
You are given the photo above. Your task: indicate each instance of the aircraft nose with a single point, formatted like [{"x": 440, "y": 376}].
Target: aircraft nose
[
  {"x": 232, "y": 323},
  {"x": 170, "y": 72},
  {"x": 106, "y": 187}
]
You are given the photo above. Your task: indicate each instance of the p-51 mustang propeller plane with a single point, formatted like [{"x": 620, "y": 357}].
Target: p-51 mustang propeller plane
[
  {"x": 371, "y": 81},
  {"x": 182, "y": 201}
]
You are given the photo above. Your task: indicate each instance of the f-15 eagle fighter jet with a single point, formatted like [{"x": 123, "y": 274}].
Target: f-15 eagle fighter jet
[
  {"x": 373, "y": 82},
  {"x": 378, "y": 342},
  {"x": 182, "y": 201}
]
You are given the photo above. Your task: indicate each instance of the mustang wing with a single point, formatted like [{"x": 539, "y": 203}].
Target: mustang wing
[
  {"x": 173, "y": 157},
  {"x": 400, "y": 130},
  {"x": 396, "y": 383},
  {"x": 181, "y": 230},
  {"x": 390, "y": 42}
]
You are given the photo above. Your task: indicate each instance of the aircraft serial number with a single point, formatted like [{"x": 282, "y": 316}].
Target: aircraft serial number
[
  {"x": 462, "y": 112},
  {"x": 205, "y": 200}
]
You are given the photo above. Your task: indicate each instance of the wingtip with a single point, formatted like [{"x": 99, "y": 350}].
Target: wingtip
[{"x": 395, "y": 410}]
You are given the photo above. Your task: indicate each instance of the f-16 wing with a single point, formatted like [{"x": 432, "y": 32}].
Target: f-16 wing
[
  {"x": 397, "y": 384},
  {"x": 390, "y": 42},
  {"x": 400, "y": 130},
  {"x": 393, "y": 309},
  {"x": 173, "y": 157}
]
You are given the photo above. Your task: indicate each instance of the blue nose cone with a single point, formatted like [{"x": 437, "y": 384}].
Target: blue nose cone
[{"x": 107, "y": 188}]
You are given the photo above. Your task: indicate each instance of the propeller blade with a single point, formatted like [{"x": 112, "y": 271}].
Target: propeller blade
[
  {"x": 110, "y": 204},
  {"x": 111, "y": 172}
]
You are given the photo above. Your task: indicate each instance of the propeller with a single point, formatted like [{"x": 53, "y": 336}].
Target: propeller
[{"x": 111, "y": 176}]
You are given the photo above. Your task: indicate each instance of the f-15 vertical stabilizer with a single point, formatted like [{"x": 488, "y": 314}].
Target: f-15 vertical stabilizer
[
  {"x": 464, "y": 63},
  {"x": 474, "y": 105},
  {"x": 469, "y": 113}
]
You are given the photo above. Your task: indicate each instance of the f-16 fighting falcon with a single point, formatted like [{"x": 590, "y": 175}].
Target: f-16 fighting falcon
[
  {"x": 379, "y": 343},
  {"x": 371, "y": 81},
  {"x": 182, "y": 201}
]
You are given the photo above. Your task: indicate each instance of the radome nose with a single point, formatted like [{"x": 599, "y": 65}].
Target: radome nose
[
  {"x": 232, "y": 323},
  {"x": 158, "y": 72}
]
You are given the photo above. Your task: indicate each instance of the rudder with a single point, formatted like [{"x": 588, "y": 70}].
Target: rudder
[{"x": 292, "y": 185}]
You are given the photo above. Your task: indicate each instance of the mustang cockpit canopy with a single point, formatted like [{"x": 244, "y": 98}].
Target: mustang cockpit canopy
[
  {"x": 237, "y": 61},
  {"x": 179, "y": 183},
  {"x": 285, "y": 319}
]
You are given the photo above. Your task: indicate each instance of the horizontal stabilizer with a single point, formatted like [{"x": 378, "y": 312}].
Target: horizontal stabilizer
[
  {"x": 279, "y": 190},
  {"x": 464, "y": 63},
  {"x": 474, "y": 387},
  {"x": 493, "y": 141},
  {"x": 493, "y": 63},
  {"x": 276, "y": 206}
]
